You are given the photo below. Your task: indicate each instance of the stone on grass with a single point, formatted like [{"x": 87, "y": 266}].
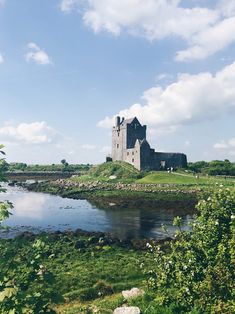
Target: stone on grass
[
  {"x": 113, "y": 177},
  {"x": 133, "y": 293},
  {"x": 127, "y": 310}
]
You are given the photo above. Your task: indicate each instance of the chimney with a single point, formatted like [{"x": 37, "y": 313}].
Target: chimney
[{"x": 118, "y": 120}]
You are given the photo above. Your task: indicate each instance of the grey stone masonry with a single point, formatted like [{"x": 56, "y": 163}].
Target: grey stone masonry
[{"x": 129, "y": 144}]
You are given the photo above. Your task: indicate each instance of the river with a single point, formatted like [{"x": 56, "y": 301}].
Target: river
[{"x": 37, "y": 212}]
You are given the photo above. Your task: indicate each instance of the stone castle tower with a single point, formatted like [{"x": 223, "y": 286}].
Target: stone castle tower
[{"x": 129, "y": 144}]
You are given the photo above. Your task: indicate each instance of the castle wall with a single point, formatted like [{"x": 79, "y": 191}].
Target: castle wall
[
  {"x": 132, "y": 156},
  {"x": 118, "y": 142},
  {"x": 147, "y": 157},
  {"x": 167, "y": 160}
]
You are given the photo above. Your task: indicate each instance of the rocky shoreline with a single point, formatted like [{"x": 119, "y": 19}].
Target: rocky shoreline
[
  {"x": 120, "y": 195},
  {"x": 101, "y": 239},
  {"x": 138, "y": 187}
]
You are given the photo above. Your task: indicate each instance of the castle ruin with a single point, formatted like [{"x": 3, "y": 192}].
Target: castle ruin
[{"x": 129, "y": 144}]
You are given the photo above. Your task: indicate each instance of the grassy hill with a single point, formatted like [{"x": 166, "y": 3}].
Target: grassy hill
[
  {"x": 111, "y": 171},
  {"x": 123, "y": 172}
]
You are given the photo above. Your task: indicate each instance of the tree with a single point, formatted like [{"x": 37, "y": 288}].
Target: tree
[{"x": 65, "y": 165}]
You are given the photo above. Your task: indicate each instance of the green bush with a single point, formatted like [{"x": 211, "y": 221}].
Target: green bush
[
  {"x": 25, "y": 282},
  {"x": 197, "y": 270}
]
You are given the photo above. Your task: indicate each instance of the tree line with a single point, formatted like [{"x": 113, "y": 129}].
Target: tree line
[
  {"x": 215, "y": 167},
  {"x": 63, "y": 166}
]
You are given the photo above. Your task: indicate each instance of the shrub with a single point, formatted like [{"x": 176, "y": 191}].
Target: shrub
[{"x": 197, "y": 271}]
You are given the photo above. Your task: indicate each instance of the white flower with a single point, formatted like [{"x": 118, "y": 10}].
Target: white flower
[
  {"x": 216, "y": 222},
  {"x": 185, "y": 267},
  {"x": 232, "y": 217}
]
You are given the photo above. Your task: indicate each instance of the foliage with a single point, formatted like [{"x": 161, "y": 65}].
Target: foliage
[
  {"x": 4, "y": 206},
  {"x": 215, "y": 167},
  {"x": 24, "y": 281},
  {"x": 85, "y": 267},
  {"x": 197, "y": 270},
  {"x": 12, "y": 167}
]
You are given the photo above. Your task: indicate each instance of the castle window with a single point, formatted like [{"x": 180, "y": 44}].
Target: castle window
[
  {"x": 133, "y": 153},
  {"x": 133, "y": 160},
  {"x": 117, "y": 145},
  {"x": 127, "y": 153}
]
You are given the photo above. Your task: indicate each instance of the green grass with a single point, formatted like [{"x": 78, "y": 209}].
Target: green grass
[
  {"x": 122, "y": 171},
  {"x": 84, "y": 266},
  {"x": 181, "y": 178},
  {"x": 126, "y": 173}
]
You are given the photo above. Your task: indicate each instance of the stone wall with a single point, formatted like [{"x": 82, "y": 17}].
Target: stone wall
[{"x": 175, "y": 160}]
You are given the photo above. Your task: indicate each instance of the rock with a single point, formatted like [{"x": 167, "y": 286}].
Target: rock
[
  {"x": 133, "y": 293},
  {"x": 127, "y": 310},
  {"x": 113, "y": 177}
]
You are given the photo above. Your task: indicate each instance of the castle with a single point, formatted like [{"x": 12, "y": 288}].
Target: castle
[{"x": 129, "y": 144}]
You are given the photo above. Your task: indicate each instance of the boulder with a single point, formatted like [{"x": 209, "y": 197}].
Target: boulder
[
  {"x": 127, "y": 310},
  {"x": 133, "y": 293}
]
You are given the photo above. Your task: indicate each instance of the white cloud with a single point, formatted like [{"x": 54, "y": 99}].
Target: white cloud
[
  {"x": 68, "y": 5},
  {"x": 209, "y": 41},
  {"x": 221, "y": 145},
  {"x": 37, "y": 55},
  {"x": 164, "y": 76},
  {"x": 205, "y": 30},
  {"x": 231, "y": 142},
  {"x": 226, "y": 146},
  {"x": 190, "y": 99},
  {"x": 1, "y": 58},
  {"x": 149, "y": 18},
  {"x": 226, "y": 7},
  {"x": 28, "y": 133}
]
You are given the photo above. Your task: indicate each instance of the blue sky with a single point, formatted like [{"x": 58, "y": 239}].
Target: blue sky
[{"x": 67, "y": 67}]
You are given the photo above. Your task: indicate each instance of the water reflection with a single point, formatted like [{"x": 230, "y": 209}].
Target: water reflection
[{"x": 38, "y": 211}]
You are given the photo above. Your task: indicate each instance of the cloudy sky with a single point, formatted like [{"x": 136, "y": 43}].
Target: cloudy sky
[{"x": 67, "y": 67}]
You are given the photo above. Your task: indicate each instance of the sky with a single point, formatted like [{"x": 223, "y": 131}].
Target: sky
[{"x": 68, "y": 67}]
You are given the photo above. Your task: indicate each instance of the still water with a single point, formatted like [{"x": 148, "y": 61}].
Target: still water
[{"x": 39, "y": 211}]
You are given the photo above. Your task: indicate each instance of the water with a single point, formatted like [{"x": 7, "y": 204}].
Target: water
[{"x": 39, "y": 211}]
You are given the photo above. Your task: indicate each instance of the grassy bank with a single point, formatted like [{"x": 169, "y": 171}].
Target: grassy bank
[
  {"x": 123, "y": 172},
  {"x": 121, "y": 183},
  {"x": 111, "y": 197},
  {"x": 86, "y": 267}
]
